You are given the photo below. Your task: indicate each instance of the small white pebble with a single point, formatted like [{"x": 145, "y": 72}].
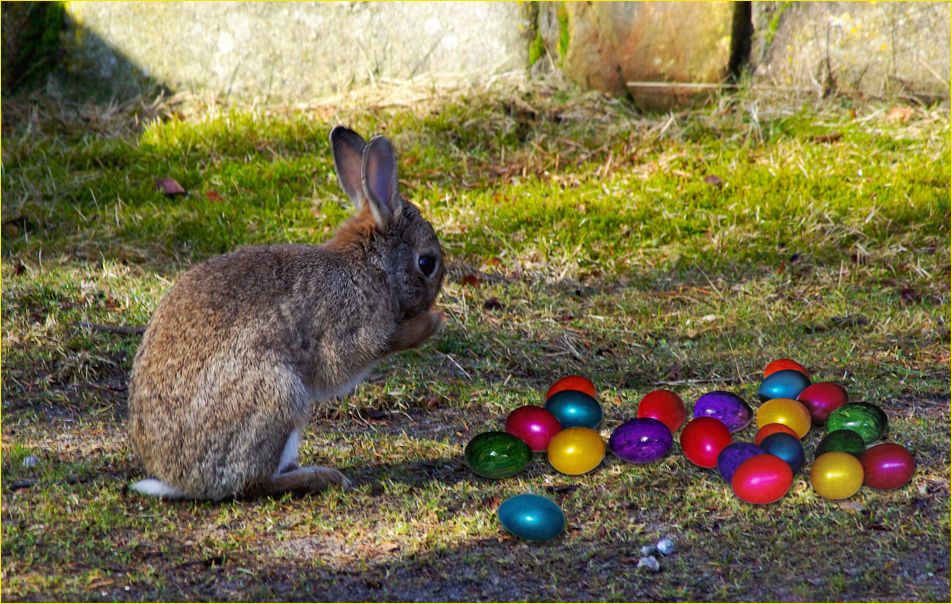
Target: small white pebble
[
  {"x": 647, "y": 550},
  {"x": 30, "y": 461},
  {"x": 666, "y": 547},
  {"x": 649, "y": 562}
]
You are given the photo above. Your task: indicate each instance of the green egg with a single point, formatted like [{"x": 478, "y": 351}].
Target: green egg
[
  {"x": 846, "y": 441},
  {"x": 497, "y": 454},
  {"x": 867, "y": 420}
]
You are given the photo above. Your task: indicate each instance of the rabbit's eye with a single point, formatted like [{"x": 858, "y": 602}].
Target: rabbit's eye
[{"x": 427, "y": 264}]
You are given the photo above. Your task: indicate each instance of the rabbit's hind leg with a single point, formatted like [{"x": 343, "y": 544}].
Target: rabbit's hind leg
[{"x": 299, "y": 481}]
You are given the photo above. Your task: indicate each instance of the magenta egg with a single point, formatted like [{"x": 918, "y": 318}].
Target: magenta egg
[
  {"x": 887, "y": 466},
  {"x": 533, "y": 425}
]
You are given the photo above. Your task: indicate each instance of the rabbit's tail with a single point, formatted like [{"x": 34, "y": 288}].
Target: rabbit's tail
[{"x": 157, "y": 488}]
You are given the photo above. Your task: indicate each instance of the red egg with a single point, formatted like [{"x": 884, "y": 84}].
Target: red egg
[
  {"x": 533, "y": 425},
  {"x": 781, "y": 364},
  {"x": 664, "y": 406},
  {"x": 769, "y": 429},
  {"x": 762, "y": 479},
  {"x": 702, "y": 440},
  {"x": 822, "y": 399},
  {"x": 572, "y": 382},
  {"x": 887, "y": 466}
]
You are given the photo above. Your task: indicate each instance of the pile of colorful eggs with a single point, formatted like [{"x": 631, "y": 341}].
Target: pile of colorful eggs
[{"x": 760, "y": 472}]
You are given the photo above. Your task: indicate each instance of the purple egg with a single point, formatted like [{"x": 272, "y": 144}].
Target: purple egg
[
  {"x": 733, "y": 455},
  {"x": 641, "y": 440},
  {"x": 725, "y": 407}
]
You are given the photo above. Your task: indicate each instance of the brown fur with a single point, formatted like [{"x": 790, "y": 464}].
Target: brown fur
[{"x": 243, "y": 345}]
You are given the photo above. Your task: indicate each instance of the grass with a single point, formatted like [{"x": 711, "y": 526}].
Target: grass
[{"x": 682, "y": 250}]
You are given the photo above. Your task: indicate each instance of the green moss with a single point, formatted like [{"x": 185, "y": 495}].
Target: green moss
[
  {"x": 774, "y": 23},
  {"x": 536, "y": 49},
  {"x": 564, "y": 34}
]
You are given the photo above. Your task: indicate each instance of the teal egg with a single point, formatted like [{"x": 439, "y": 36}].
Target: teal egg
[
  {"x": 497, "y": 454},
  {"x": 787, "y": 383},
  {"x": 573, "y": 408},
  {"x": 867, "y": 420},
  {"x": 531, "y": 517}
]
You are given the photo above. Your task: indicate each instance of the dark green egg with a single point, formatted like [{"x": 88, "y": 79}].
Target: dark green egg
[
  {"x": 867, "y": 420},
  {"x": 846, "y": 441},
  {"x": 497, "y": 454}
]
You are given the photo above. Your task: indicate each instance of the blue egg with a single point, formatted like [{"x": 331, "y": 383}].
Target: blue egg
[
  {"x": 786, "y": 447},
  {"x": 573, "y": 408},
  {"x": 788, "y": 383},
  {"x": 532, "y": 517}
]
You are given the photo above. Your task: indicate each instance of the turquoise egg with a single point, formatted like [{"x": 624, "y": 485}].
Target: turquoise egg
[
  {"x": 783, "y": 384},
  {"x": 531, "y": 517},
  {"x": 573, "y": 408}
]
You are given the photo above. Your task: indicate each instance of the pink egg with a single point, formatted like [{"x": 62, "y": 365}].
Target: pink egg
[{"x": 533, "y": 425}]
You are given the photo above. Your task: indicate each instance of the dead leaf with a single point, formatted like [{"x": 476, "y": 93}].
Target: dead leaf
[
  {"x": 471, "y": 280},
  {"x": 713, "y": 180},
  {"x": 169, "y": 187},
  {"x": 900, "y": 114},
  {"x": 851, "y": 506},
  {"x": 831, "y": 137},
  {"x": 909, "y": 295},
  {"x": 214, "y": 196}
]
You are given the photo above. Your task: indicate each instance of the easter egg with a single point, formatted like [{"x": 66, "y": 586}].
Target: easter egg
[
  {"x": 732, "y": 456},
  {"x": 887, "y": 466},
  {"x": 726, "y": 407},
  {"x": 576, "y": 450},
  {"x": 533, "y": 425},
  {"x": 784, "y": 411},
  {"x": 641, "y": 440},
  {"x": 787, "y": 447},
  {"x": 846, "y": 441},
  {"x": 703, "y": 439},
  {"x": 762, "y": 479},
  {"x": 769, "y": 429},
  {"x": 531, "y": 517},
  {"x": 836, "y": 475},
  {"x": 784, "y": 364},
  {"x": 573, "y": 408},
  {"x": 572, "y": 382},
  {"x": 497, "y": 454},
  {"x": 867, "y": 420},
  {"x": 823, "y": 398},
  {"x": 664, "y": 406},
  {"x": 785, "y": 383}
]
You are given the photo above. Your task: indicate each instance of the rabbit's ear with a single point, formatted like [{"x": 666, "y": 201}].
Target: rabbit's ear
[
  {"x": 348, "y": 149},
  {"x": 380, "y": 180}
]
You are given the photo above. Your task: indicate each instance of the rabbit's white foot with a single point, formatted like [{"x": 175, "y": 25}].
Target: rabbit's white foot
[{"x": 157, "y": 488}]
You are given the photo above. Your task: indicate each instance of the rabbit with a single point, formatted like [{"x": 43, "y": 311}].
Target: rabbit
[{"x": 244, "y": 344}]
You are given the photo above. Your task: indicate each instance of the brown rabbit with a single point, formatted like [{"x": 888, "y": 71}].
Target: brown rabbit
[{"x": 244, "y": 344}]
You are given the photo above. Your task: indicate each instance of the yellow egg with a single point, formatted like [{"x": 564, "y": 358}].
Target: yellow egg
[
  {"x": 836, "y": 475},
  {"x": 576, "y": 450},
  {"x": 786, "y": 411}
]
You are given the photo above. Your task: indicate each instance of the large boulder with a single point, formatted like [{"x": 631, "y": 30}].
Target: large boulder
[
  {"x": 294, "y": 52},
  {"x": 874, "y": 49},
  {"x": 628, "y": 48}
]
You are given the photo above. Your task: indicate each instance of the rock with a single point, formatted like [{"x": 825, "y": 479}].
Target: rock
[
  {"x": 666, "y": 547},
  {"x": 30, "y": 461},
  {"x": 293, "y": 52},
  {"x": 875, "y": 49},
  {"x": 649, "y": 562},
  {"x": 606, "y": 46},
  {"x": 647, "y": 550}
]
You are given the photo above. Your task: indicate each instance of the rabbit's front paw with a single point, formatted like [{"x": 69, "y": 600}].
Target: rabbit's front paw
[{"x": 417, "y": 330}]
